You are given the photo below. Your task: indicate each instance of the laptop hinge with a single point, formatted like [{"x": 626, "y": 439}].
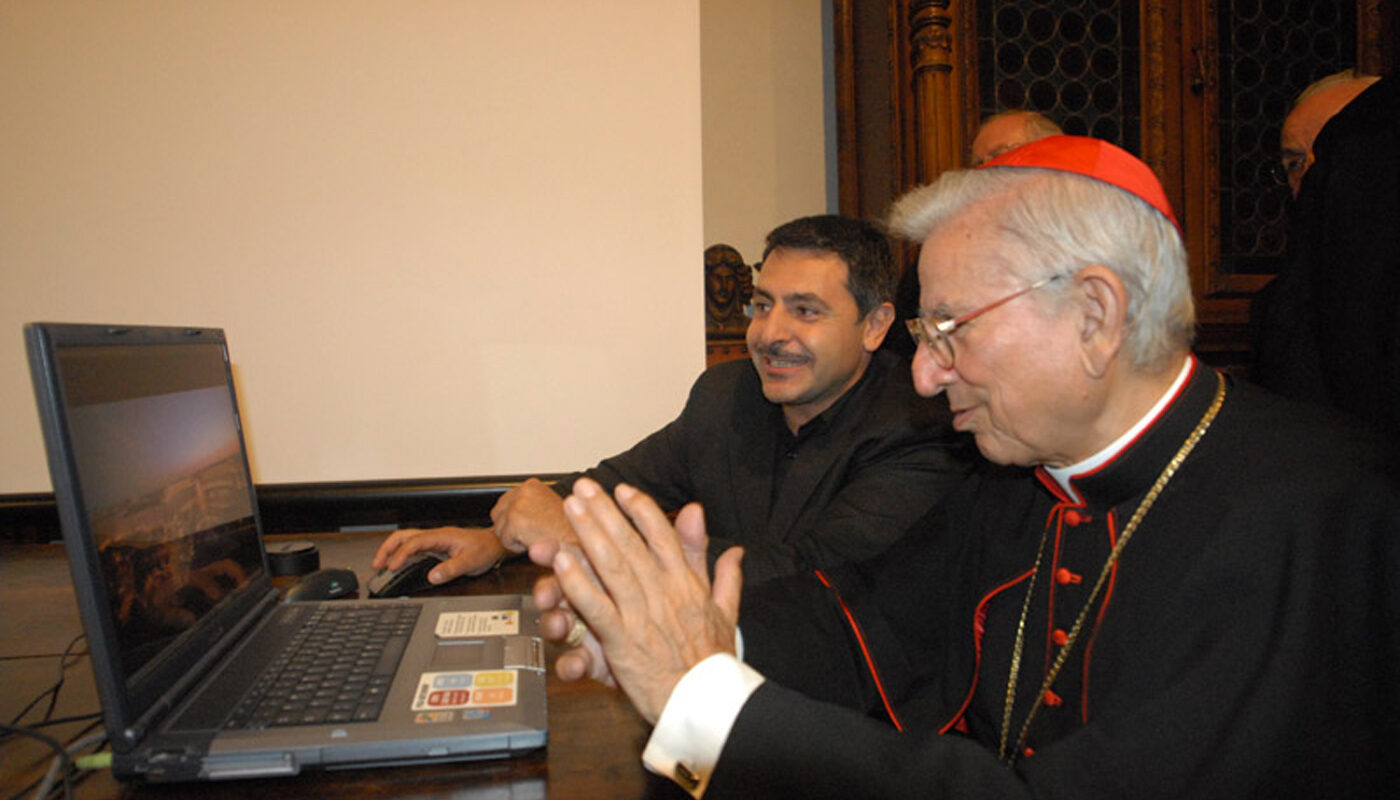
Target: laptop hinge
[{"x": 198, "y": 670}]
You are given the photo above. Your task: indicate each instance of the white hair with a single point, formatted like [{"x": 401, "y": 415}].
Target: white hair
[{"x": 1060, "y": 222}]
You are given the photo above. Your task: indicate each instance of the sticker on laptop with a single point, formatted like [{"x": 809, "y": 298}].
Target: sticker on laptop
[
  {"x": 433, "y": 717},
  {"x": 448, "y": 691},
  {"x": 439, "y": 717},
  {"x": 460, "y": 624}
]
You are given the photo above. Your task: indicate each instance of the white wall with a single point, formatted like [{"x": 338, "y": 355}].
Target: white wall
[
  {"x": 768, "y": 142},
  {"x": 445, "y": 238}
]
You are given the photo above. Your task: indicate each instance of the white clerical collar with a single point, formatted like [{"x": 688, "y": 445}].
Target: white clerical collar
[{"x": 1063, "y": 475}]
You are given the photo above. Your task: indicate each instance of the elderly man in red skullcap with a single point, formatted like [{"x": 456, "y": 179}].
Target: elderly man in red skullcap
[{"x": 1164, "y": 583}]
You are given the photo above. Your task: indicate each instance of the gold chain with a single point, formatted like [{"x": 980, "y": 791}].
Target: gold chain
[{"x": 1167, "y": 473}]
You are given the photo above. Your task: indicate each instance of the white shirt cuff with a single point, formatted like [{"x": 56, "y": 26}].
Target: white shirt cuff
[{"x": 687, "y": 740}]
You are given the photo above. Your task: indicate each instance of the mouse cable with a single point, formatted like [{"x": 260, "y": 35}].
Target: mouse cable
[
  {"x": 67, "y": 659},
  {"x": 49, "y": 723},
  {"x": 67, "y": 759},
  {"x": 61, "y": 760}
]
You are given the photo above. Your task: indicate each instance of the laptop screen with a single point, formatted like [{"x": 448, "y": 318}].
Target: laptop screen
[
  {"x": 157, "y": 508},
  {"x": 159, "y": 458},
  {"x": 161, "y": 527}
]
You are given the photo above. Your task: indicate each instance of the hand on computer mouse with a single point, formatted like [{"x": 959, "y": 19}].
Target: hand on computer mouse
[
  {"x": 410, "y": 578},
  {"x": 464, "y": 551}
]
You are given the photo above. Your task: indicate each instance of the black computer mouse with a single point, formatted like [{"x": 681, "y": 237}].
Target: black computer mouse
[
  {"x": 323, "y": 584},
  {"x": 411, "y": 578}
]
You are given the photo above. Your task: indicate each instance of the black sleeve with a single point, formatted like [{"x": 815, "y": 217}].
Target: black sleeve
[
  {"x": 795, "y": 632},
  {"x": 860, "y": 635},
  {"x": 1353, "y": 244},
  {"x": 1283, "y": 686},
  {"x": 785, "y": 745},
  {"x": 896, "y": 480}
]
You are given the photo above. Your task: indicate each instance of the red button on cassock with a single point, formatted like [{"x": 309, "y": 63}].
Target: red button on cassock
[
  {"x": 1064, "y": 576},
  {"x": 1059, "y": 637}
]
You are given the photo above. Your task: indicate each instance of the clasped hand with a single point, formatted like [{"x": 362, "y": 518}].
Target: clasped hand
[
  {"x": 643, "y": 589},
  {"x": 530, "y": 518}
]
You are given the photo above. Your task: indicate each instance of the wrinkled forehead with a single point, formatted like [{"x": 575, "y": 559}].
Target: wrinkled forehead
[
  {"x": 1301, "y": 127},
  {"x": 1001, "y": 132},
  {"x": 964, "y": 260}
]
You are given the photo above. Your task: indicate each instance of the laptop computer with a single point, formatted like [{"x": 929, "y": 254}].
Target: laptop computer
[{"x": 196, "y": 661}]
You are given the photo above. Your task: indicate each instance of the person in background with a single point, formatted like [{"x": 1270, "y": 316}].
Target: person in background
[
  {"x": 997, "y": 134},
  {"x": 1164, "y": 584},
  {"x": 1327, "y": 328},
  {"x": 1312, "y": 109},
  {"x": 816, "y": 452},
  {"x": 1007, "y": 131}
]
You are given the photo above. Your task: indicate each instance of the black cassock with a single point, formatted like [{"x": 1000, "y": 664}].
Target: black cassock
[{"x": 1244, "y": 645}]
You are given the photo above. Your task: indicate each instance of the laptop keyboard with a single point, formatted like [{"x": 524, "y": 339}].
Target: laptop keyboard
[{"x": 336, "y": 669}]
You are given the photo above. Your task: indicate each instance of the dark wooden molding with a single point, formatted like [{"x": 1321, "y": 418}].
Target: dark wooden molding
[
  {"x": 315, "y": 507},
  {"x": 908, "y": 100},
  {"x": 28, "y": 518},
  {"x": 936, "y": 52}
]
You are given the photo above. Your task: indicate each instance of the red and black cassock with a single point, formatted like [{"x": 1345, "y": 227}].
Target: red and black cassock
[{"x": 1246, "y": 643}]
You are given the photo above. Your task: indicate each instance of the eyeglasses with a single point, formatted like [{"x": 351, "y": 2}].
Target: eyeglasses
[
  {"x": 937, "y": 334},
  {"x": 1290, "y": 167}
]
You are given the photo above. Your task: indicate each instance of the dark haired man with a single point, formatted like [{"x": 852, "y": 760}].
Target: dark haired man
[
  {"x": 816, "y": 454},
  {"x": 1164, "y": 584}
]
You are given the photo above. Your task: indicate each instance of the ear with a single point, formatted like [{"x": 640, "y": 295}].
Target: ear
[
  {"x": 877, "y": 324},
  {"x": 1103, "y": 305}
]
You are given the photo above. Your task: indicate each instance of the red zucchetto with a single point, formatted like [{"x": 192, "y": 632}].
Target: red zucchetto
[{"x": 1093, "y": 158}]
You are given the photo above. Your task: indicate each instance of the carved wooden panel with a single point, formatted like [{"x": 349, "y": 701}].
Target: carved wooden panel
[
  {"x": 935, "y": 51},
  {"x": 1197, "y": 88},
  {"x": 1075, "y": 61},
  {"x": 1269, "y": 51},
  {"x": 728, "y": 288}
]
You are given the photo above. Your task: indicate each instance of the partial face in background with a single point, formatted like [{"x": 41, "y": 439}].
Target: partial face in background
[
  {"x": 1303, "y": 123},
  {"x": 1005, "y": 133}
]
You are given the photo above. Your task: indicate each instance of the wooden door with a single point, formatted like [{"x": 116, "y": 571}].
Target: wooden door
[{"x": 1197, "y": 88}]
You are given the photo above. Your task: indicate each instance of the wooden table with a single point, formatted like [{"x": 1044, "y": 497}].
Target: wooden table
[{"x": 595, "y": 737}]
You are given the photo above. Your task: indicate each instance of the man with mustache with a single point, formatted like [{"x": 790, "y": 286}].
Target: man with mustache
[
  {"x": 817, "y": 453},
  {"x": 1165, "y": 583}
]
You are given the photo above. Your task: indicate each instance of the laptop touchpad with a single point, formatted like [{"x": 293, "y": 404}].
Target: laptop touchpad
[{"x": 467, "y": 654}]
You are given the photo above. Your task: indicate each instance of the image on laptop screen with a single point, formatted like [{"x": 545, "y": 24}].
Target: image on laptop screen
[{"x": 161, "y": 465}]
